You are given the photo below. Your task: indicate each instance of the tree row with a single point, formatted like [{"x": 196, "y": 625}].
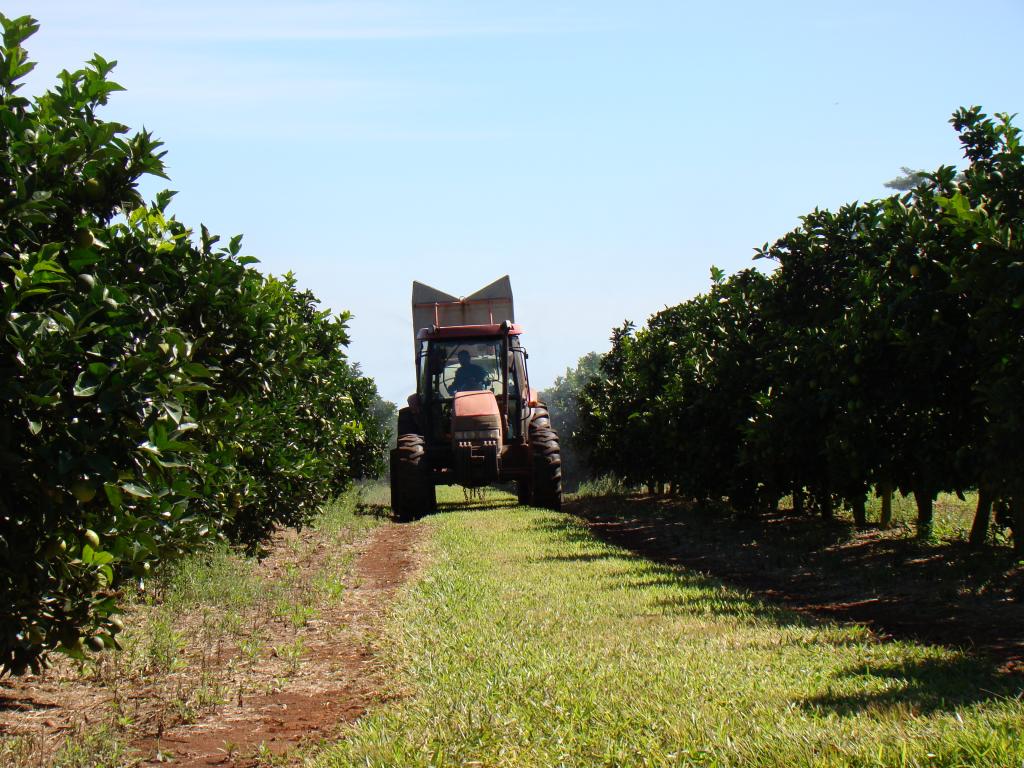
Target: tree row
[
  {"x": 884, "y": 353},
  {"x": 157, "y": 392}
]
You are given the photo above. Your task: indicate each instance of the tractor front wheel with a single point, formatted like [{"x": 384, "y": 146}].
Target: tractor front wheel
[{"x": 412, "y": 488}]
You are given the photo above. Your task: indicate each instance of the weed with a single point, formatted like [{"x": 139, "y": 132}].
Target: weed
[
  {"x": 18, "y": 751},
  {"x": 251, "y": 647},
  {"x": 297, "y": 614},
  {"x": 266, "y": 758},
  {"x": 606, "y": 485},
  {"x": 332, "y": 584},
  {"x": 217, "y": 576},
  {"x": 194, "y": 640},
  {"x": 100, "y": 747},
  {"x": 165, "y": 643},
  {"x": 292, "y": 653}
]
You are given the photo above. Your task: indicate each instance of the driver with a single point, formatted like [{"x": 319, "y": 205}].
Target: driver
[{"x": 469, "y": 376}]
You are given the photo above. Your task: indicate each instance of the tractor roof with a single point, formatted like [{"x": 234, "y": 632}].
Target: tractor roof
[{"x": 436, "y": 332}]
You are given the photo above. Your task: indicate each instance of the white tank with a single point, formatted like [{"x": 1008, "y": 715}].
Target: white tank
[{"x": 491, "y": 304}]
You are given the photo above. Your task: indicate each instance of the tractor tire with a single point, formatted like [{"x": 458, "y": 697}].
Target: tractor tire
[
  {"x": 407, "y": 422},
  {"x": 541, "y": 417},
  {"x": 412, "y": 488},
  {"x": 546, "y": 464}
]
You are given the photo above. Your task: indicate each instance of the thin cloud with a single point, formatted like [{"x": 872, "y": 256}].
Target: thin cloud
[{"x": 186, "y": 22}]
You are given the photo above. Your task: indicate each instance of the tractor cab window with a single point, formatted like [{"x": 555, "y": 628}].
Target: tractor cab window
[{"x": 464, "y": 366}]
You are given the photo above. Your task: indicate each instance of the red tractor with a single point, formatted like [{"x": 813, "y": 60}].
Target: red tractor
[{"x": 474, "y": 419}]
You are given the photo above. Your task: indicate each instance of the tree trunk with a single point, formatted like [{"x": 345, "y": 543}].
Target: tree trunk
[
  {"x": 1017, "y": 523},
  {"x": 798, "y": 499},
  {"x": 979, "y": 528},
  {"x": 885, "y": 517},
  {"x": 860, "y": 516},
  {"x": 925, "y": 504},
  {"x": 827, "y": 510}
]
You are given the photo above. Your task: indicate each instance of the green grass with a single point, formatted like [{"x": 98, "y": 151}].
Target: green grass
[
  {"x": 198, "y": 622},
  {"x": 606, "y": 485},
  {"x": 952, "y": 517},
  {"x": 528, "y": 643}
]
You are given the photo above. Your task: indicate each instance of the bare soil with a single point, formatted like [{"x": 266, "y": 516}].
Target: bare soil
[
  {"x": 279, "y": 703},
  {"x": 935, "y": 592}
]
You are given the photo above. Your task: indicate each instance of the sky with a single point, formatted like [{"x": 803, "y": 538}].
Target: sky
[{"x": 603, "y": 154}]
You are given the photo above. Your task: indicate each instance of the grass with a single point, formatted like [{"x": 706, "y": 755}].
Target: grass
[
  {"x": 529, "y": 643},
  {"x": 952, "y": 517},
  {"x": 195, "y": 638},
  {"x": 606, "y": 485}
]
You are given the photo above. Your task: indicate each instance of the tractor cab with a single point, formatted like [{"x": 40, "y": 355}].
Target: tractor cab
[{"x": 456, "y": 360}]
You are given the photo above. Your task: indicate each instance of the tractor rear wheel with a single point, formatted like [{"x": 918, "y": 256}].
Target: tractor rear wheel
[
  {"x": 412, "y": 489},
  {"x": 541, "y": 417},
  {"x": 546, "y": 464},
  {"x": 407, "y": 421}
]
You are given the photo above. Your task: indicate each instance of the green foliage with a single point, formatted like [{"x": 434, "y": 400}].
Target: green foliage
[
  {"x": 562, "y": 398},
  {"x": 884, "y": 351},
  {"x": 384, "y": 414},
  {"x": 156, "y": 391}
]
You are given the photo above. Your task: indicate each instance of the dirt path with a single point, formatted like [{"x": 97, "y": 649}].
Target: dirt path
[
  {"x": 303, "y": 685},
  {"x": 335, "y": 684},
  {"x": 941, "y": 594}
]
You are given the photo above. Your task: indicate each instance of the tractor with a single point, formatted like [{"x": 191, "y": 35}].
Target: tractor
[{"x": 474, "y": 420}]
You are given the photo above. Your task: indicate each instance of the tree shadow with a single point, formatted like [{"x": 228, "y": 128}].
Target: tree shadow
[
  {"x": 566, "y": 528},
  {"x": 731, "y": 606},
  {"x": 920, "y": 687},
  {"x": 896, "y": 586},
  {"x": 702, "y": 595},
  {"x": 383, "y": 509},
  {"x": 466, "y": 506},
  {"x": 378, "y": 510},
  {"x": 581, "y": 557},
  {"x": 11, "y": 702}
]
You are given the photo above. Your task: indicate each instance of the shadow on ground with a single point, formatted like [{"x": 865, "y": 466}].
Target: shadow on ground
[
  {"x": 465, "y": 506},
  {"x": 939, "y": 593},
  {"x": 374, "y": 509},
  {"x": 708, "y": 599},
  {"x": 683, "y": 547},
  {"x": 923, "y": 687}
]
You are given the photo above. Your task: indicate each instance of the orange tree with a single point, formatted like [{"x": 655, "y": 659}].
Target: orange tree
[
  {"x": 712, "y": 374},
  {"x": 984, "y": 211},
  {"x": 610, "y": 415},
  {"x": 867, "y": 391},
  {"x": 672, "y": 400},
  {"x": 884, "y": 352},
  {"x": 561, "y": 399},
  {"x": 156, "y": 391}
]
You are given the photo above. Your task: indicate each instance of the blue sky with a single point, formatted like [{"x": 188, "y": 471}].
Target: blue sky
[{"x": 603, "y": 154}]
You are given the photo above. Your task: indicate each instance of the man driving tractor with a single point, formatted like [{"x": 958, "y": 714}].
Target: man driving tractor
[{"x": 469, "y": 376}]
